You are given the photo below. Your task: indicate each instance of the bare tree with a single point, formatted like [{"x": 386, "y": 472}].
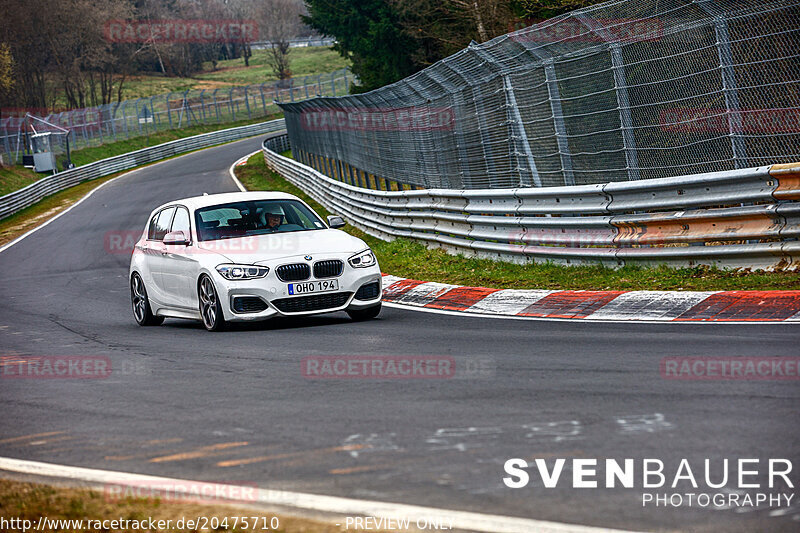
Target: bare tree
[{"x": 279, "y": 22}]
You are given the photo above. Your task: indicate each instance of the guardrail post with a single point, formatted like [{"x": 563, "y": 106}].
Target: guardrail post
[{"x": 729, "y": 87}]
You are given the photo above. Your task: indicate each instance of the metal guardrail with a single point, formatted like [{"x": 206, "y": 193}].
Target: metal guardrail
[
  {"x": 18, "y": 200},
  {"x": 297, "y": 43},
  {"x": 748, "y": 218}
]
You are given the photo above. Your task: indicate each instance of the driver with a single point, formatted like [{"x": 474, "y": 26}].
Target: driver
[{"x": 272, "y": 220}]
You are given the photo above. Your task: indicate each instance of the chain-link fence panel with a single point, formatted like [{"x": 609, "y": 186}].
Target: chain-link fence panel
[
  {"x": 620, "y": 91},
  {"x": 95, "y": 126}
]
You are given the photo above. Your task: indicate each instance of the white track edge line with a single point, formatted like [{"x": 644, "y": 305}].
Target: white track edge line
[
  {"x": 70, "y": 208},
  {"x": 233, "y": 174},
  {"x": 123, "y": 175},
  {"x": 460, "y": 520},
  {"x": 583, "y": 320}
]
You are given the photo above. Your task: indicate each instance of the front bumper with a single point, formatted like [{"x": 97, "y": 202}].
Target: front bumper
[{"x": 274, "y": 293}]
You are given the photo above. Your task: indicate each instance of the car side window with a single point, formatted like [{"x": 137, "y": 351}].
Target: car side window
[
  {"x": 162, "y": 222},
  {"x": 151, "y": 228},
  {"x": 181, "y": 221}
]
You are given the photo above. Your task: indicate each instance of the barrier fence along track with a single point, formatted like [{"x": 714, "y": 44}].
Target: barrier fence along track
[
  {"x": 748, "y": 218},
  {"x": 18, "y": 200},
  {"x": 95, "y": 126},
  {"x": 620, "y": 91}
]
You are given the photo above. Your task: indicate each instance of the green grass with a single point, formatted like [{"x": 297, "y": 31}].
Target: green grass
[
  {"x": 303, "y": 62},
  {"x": 30, "y": 501},
  {"x": 410, "y": 259},
  {"x": 15, "y": 178},
  {"x": 95, "y": 153}
]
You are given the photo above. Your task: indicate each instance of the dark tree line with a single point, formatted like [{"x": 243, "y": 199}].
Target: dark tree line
[{"x": 388, "y": 40}]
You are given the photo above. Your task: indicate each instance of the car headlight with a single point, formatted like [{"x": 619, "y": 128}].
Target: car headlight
[
  {"x": 363, "y": 259},
  {"x": 237, "y": 272}
]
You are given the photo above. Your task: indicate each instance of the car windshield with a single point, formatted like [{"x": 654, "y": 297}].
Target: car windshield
[{"x": 256, "y": 217}]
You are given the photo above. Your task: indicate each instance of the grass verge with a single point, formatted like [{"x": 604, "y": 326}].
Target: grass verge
[
  {"x": 15, "y": 178},
  {"x": 410, "y": 259},
  {"x": 30, "y": 501},
  {"x": 96, "y": 153}
]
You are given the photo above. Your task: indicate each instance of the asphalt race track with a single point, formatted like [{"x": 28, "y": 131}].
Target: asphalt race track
[{"x": 234, "y": 406}]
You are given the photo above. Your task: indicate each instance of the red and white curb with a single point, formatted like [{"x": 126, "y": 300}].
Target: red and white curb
[{"x": 646, "y": 306}]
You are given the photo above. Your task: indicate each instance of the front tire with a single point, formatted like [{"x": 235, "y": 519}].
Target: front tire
[
  {"x": 210, "y": 307},
  {"x": 365, "y": 314},
  {"x": 142, "y": 312}
]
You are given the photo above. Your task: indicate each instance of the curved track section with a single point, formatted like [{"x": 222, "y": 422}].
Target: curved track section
[{"x": 241, "y": 406}]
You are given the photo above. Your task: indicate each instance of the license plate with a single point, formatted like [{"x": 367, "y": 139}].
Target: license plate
[{"x": 311, "y": 287}]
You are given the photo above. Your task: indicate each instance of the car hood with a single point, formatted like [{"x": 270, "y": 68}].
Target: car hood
[{"x": 262, "y": 249}]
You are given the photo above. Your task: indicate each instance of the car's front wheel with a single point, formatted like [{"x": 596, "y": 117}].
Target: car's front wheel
[
  {"x": 141, "y": 305},
  {"x": 364, "y": 314},
  {"x": 210, "y": 307}
]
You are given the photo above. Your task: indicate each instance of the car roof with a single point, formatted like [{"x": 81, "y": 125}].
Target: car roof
[{"x": 197, "y": 202}]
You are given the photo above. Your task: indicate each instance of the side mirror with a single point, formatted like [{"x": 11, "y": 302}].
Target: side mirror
[
  {"x": 335, "y": 221},
  {"x": 176, "y": 238}
]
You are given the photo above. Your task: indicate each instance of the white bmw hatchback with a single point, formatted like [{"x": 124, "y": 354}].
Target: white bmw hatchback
[{"x": 249, "y": 256}]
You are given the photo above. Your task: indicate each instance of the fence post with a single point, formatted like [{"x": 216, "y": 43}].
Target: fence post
[
  {"x": 621, "y": 90},
  {"x": 99, "y": 123},
  {"x": 460, "y": 138},
  {"x": 156, "y": 118},
  {"x": 559, "y": 125},
  {"x": 247, "y": 103},
  {"x": 203, "y": 105},
  {"x": 263, "y": 99},
  {"x": 169, "y": 111},
  {"x": 729, "y": 87},
  {"x": 216, "y": 106},
  {"x": 520, "y": 135},
  {"x": 6, "y": 143}
]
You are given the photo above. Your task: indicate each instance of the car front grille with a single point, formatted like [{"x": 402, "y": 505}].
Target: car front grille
[
  {"x": 315, "y": 302},
  {"x": 248, "y": 304},
  {"x": 330, "y": 268},
  {"x": 369, "y": 291},
  {"x": 293, "y": 272}
]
